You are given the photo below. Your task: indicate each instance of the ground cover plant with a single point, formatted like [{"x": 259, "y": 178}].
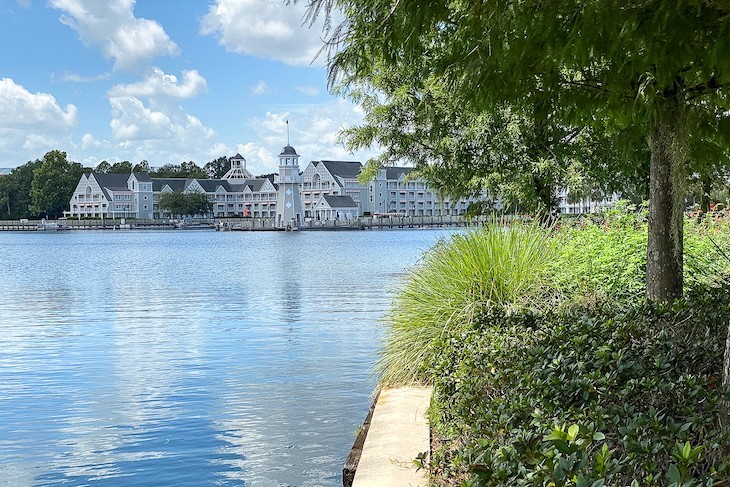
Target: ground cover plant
[
  {"x": 585, "y": 397},
  {"x": 566, "y": 376}
]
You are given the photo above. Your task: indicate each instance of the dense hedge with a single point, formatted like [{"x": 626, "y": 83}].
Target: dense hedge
[{"x": 589, "y": 397}]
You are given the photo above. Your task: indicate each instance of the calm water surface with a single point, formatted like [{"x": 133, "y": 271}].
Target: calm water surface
[{"x": 190, "y": 358}]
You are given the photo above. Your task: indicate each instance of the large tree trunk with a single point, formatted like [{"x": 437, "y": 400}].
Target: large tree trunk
[
  {"x": 726, "y": 368},
  {"x": 725, "y": 416},
  {"x": 706, "y": 183},
  {"x": 664, "y": 277},
  {"x": 543, "y": 182}
]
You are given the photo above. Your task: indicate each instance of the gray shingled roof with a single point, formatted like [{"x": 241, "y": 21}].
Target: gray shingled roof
[
  {"x": 344, "y": 169},
  {"x": 176, "y": 184},
  {"x": 288, "y": 151},
  {"x": 237, "y": 156},
  {"x": 255, "y": 184},
  {"x": 340, "y": 201},
  {"x": 237, "y": 187},
  {"x": 397, "y": 172},
  {"x": 111, "y": 180},
  {"x": 211, "y": 185},
  {"x": 143, "y": 177}
]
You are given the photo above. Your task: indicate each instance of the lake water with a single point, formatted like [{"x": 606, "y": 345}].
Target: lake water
[{"x": 190, "y": 357}]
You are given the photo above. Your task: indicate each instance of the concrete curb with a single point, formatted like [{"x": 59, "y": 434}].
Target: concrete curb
[{"x": 397, "y": 433}]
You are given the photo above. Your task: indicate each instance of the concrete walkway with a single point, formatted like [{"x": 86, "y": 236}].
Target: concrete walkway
[{"x": 398, "y": 433}]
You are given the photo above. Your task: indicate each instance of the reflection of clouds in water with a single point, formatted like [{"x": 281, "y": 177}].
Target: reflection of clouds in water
[
  {"x": 196, "y": 358},
  {"x": 151, "y": 350},
  {"x": 280, "y": 436},
  {"x": 34, "y": 374}
]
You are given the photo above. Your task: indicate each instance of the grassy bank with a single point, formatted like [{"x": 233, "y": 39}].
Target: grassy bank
[{"x": 548, "y": 367}]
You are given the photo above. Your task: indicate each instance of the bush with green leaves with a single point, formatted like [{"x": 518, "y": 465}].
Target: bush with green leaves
[
  {"x": 524, "y": 267},
  {"x": 603, "y": 257},
  {"x": 588, "y": 397}
]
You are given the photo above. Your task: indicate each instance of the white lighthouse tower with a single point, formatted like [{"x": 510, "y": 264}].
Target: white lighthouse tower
[{"x": 288, "y": 200}]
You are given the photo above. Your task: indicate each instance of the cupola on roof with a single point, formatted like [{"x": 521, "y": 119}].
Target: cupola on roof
[{"x": 288, "y": 151}]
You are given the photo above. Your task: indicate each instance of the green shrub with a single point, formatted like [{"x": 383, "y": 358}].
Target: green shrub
[
  {"x": 584, "y": 397},
  {"x": 603, "y": 257},
  {"x": 456, "y": 279}
]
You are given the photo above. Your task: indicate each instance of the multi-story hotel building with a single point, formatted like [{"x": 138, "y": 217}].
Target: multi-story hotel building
[
  {"x": 393, "y": 191},
  {"x": 332, "y": 178},
  {"x": 326, "y": 189}
]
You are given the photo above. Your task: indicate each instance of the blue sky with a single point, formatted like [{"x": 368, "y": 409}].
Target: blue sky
[{"x": 166, "y": 81}]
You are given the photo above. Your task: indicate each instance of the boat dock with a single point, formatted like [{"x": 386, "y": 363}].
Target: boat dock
[{"x": 241, "y": 224}]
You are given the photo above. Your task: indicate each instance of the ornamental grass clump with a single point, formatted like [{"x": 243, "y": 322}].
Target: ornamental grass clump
[{"x": 457, "y": 279}]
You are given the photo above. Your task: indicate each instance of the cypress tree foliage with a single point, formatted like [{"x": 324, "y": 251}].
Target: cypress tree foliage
[
  {"x": 522, "y": 155},
  {"x": 651, "y": 67}
]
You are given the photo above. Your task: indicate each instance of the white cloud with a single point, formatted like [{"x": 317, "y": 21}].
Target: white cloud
[
  {"x": 259, "y": 89},
  {"x": 308, "y": 90},
  {"x": 77, "y": 78},
  {"x": 157, "y": 83},
  {"x": 265, "y": 28},
  {"x": 161, "y": 133},
  {"x": 313, "y": 131},
  {"x": 133, "y": 121},
  {"x": 111, "y": 25},
  {"x": 89, "y": 142},
  {"x": 20, "y": 108},
  {"x": 31, "y": 122}
]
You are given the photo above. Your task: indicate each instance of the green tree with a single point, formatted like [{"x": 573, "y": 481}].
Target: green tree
[
  {"x": 193, "y": 171},
  {"x": 655, "y": 68},
  {"x": 217, "y": 168},
  {"x": 502, "y": 150},
  {"x": 142, "y": 166},
  {"x": 173, "y": 203},
  {"x": 183, "y": 204},
  {"x": 53, "y": 184},
  {"x": 184, "y": 170},
  {"x": 15, "y": 191},
  {"x": 197, "y": 204},
  {"x": 123, "y": 167},
  {"x": 103, "y": 167}
]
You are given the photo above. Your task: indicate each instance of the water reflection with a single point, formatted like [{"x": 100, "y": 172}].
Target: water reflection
[{"x": 190, "y": 358}]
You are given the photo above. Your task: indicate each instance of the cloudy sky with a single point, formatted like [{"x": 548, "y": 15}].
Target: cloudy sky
[{"x": 166, "y": 81}]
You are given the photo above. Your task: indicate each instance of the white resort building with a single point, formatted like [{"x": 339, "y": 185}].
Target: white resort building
[
  {"x": 394, "y": 192},
  {"x": 136, "y": 195},
  {"x": 112, "y": 195},
  {"x": 325, "y": 190},
  {"x": 584, "y": 205}
]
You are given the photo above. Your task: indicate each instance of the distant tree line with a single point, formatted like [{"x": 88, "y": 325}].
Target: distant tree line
[{"x": 43, "y": 188}]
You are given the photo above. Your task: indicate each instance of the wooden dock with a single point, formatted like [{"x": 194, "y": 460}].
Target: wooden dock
[{"x": 246, "y": 224}]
